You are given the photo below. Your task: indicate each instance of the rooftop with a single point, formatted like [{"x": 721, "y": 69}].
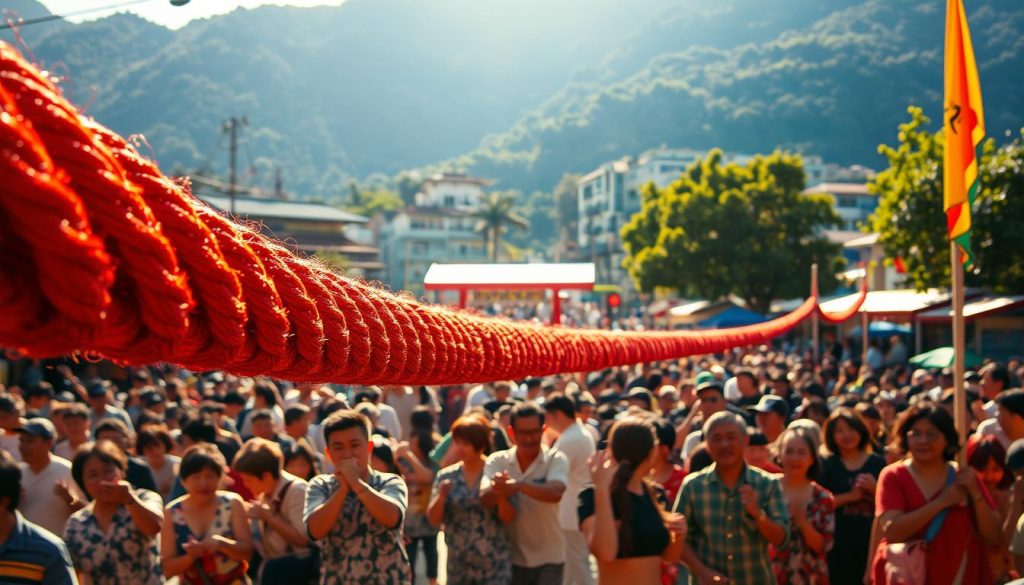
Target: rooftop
[
  {"x": 457, "y": 178},
  {"x": 579, "y": 276},
  {"x": 276, "y": 208},
  {"x": 860, "y": 189}
]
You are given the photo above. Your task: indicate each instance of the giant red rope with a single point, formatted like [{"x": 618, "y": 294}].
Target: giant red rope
[{"x": 102, "y": 253}]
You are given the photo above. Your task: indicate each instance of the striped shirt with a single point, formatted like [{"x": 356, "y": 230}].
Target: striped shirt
[
  {"x": 33, "y": 555},
  {"x": 721, "y": 533}
]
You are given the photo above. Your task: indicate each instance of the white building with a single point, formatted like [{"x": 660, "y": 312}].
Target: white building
[
  {"x": 438, "y": 229},
  {"x": 611, "y": 194},
  {"x": 853, "y": 202}
]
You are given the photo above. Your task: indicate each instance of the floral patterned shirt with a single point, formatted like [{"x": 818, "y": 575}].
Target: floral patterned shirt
[
  {"x": 794, "y": 563},
  {"x": 119, "y": 555},
  {"x": 478, "y": 544},
  {"x": 358, "y": 549}
]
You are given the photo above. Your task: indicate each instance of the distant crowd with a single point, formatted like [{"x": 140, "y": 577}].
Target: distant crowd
[{"x": 758, "y": 466}]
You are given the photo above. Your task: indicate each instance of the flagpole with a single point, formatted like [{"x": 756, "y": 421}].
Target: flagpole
[
  {"x": 814, "y": 316},
  {"x": 960, "y": 394}
]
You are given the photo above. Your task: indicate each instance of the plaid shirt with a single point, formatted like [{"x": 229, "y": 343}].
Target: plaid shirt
[{"x": 721, "y": 533}]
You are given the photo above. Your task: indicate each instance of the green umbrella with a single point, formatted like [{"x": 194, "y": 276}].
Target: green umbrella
[{"x": 943, "y": 358}]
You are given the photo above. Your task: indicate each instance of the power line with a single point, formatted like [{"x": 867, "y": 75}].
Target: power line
[{"x": 50, "y": 17}]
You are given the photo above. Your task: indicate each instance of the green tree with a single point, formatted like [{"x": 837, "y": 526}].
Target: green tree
[
  {"x": 911, "y": 222},
  {"x": 567, "y": 212},
  {"x": 408, "y": 186},
  {"x": 372, "y": 202},
  {"x": 494, "y": 216},
  {"x": 733, "y": 229}
]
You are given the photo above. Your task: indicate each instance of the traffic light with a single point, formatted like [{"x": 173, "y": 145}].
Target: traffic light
[{"x": 614, "y": 300}]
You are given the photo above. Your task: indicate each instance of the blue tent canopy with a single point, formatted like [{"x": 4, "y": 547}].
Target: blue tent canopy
[
  {"x": 732, "y": 317},
  {"x": 882, "y": 329}
]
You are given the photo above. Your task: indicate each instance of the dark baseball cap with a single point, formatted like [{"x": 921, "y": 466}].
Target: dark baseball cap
[
  {"x": 1015, "y": 456},
  {"x": 771, "y": 403},
  {"x": 38, "y": 427},
  {"x": 96, "y": 389},
  {"x": 1012, "y": 401}
]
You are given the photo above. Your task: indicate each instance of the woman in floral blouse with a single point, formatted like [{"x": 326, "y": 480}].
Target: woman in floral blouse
[
  {"x": 206, "y": 539},
  {"x": 478, "y": 545},
  {"x": 803, "y": 559},
  {"x": 113, "y": 540}
]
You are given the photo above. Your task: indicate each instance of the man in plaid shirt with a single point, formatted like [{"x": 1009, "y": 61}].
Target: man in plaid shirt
[{"x": 733, "y": 511}]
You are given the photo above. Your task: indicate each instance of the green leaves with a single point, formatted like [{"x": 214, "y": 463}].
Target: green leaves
[
  {"x": 912, "y": 224},
  {"x": 733, "y": 229}
]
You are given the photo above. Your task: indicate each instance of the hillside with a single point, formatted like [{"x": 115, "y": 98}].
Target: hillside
[
  {"x": 521, "y": 90},
  {"x": 838, "y": 88}
]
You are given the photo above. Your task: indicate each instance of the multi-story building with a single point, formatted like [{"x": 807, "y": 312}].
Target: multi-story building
[
  {"x": 313, "y": 228},
  {"x": 853, "y": 202},
  {"x": 611, "y": 194},
  {"x": 439, "y": 228}
]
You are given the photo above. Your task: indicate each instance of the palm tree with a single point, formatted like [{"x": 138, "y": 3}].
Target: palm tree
[{"x": 493, "y": 216}]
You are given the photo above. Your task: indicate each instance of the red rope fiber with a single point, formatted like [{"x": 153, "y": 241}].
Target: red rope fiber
[{"x": 101, "y": 253}]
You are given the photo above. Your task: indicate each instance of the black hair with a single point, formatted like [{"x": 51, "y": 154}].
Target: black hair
[
  {"x": 998, "y": 372},
  {"x": 935, "y": 415},
  {"x": 561, "y": 403},
  {"x": 422, "y": 420},
  {"x": 199, "y": 457},
  {"x": 526, "y": 410},
  {"x": 665, "y": 432},
  {"x": 150, "y": 437},
  {"x": 200, "y": 429},
  {"x": 10, "y": 481},
  {"x": 631, "y": 441},
  {"x": 301, "y": 451},
  {"x": 295, "y": 413},
  {"x": 106, "y": 451},
  {"x": 343, "y": 420},
  {"x": 113, "y": 424},
  {"x": 261, "y": 414},
  {"x": 265, "y": 390},
  {"x": 8, "y": 404},
  {"x": 856, "y": 422},
  {"x": 382, "y": 450}
]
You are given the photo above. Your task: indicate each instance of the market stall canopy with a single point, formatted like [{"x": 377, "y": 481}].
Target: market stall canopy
[
  {"x": 732, "y": 317},
  {"x": 984, "y": 306},
  {"x": 882, "y": 329},
  {"x": 903, "y": 304},
  {"x": 943, "y": 358}
]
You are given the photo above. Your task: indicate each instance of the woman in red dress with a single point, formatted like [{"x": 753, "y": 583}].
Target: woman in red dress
[{"x": 915, "y": 490}]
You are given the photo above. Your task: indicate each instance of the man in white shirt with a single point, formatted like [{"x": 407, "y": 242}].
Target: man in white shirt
[
  {"x": 51, "y": 495},
  {"x": 478, "y": 396},
  {"x": 530, "y": 479},
  {"x": 276, "y": 513},
  {"x": 405, "y": 399},
  {"x": 578, "y": 447}
]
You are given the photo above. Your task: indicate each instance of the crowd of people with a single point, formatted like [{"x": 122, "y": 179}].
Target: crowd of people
[{"x": 758, "y": 466}]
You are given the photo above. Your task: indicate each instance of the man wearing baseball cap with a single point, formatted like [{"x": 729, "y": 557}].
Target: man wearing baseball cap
[
  {"x": 51, "y": 495},
  {"x": 710, "y": 400},
  {"x": 771, "y": 413}
]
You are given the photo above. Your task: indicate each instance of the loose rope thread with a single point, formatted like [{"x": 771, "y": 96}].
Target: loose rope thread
[{"x": 102, "y": 254}]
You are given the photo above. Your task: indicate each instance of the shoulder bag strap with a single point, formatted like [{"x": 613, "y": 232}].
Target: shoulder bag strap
[{"x": 936, "y": 524}]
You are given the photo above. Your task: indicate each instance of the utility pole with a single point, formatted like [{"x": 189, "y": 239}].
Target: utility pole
[
  {"x": 231, "y": 128},
  {"x": 278, "y": 184}
]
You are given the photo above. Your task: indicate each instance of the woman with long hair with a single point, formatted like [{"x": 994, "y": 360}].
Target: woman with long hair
[
  {"x": 478, "y": 544},
  {"x": 924, "y": 497},
  {"x": 850, "y": 471},
  {"x": 803, "y": 558},
  {"x": 987, "y": 457},
  {"x": 626, "y": 527}
]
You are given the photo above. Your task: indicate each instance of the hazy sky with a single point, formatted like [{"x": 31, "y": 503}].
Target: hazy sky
[{"x": 162, "y": 12}]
